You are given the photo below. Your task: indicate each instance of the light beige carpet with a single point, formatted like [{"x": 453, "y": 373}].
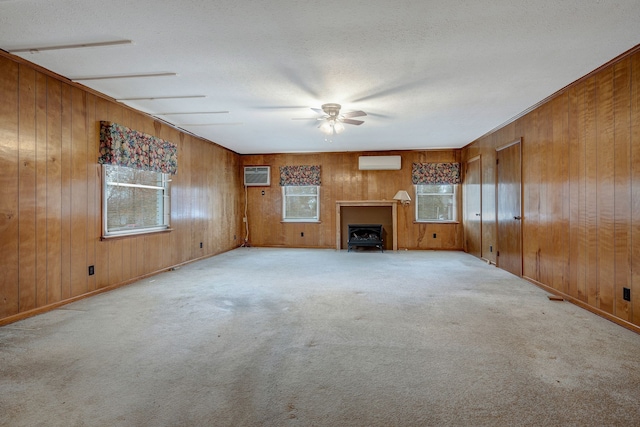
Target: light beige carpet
[{"x": 293, "y": 337}]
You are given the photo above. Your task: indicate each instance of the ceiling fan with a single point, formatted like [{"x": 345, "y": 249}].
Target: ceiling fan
[{"x": 332, "y": 121}]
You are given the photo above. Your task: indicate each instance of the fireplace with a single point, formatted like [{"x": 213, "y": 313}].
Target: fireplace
[
  {"x": 357, "y": 212},
  {"x": 365, "y": 235}
]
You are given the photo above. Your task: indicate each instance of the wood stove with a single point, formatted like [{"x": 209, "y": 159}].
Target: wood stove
[{"x": 365, "y": 235}]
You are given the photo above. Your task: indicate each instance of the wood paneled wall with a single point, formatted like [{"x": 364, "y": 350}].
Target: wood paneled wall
[
  {"x": 581, "y": 190},
  {"x": 341, "y": 180},
  {"x": 50, "y": 209}
]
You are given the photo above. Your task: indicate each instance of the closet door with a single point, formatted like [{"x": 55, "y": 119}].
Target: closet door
[{"x": 509, "y": 207}]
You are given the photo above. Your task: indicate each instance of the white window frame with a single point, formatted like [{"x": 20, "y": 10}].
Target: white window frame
[
  {"x": 284, "y": 204},
  {"x": 420, "y": 198},
  {"x": 166, "y": 206}
]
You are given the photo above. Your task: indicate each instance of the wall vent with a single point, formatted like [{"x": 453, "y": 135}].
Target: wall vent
[
  {"x": 257, "y": 176},
  {"x": 379, "y": 163}
]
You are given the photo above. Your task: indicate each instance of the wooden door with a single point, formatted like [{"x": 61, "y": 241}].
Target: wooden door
[
  {"x": 509, "y": 208},
  {"x": 473, "y": 207}
]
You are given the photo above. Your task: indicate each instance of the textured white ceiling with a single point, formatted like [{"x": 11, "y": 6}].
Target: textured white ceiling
[{"x": 430, "y": 73}]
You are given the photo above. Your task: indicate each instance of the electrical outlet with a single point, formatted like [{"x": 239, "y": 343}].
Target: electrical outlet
[
  {"x": 626, "y": 294},
  {"x": 92, "y": 270},
  {"x": 434, "y": 235},
  {"x": 234, "y": 237},
  {"x": 244, "y": 219},
  {"x": 302, "y": 234},
  {"x": 200, "y": 245},
  {"x": 490, "y": 248}
]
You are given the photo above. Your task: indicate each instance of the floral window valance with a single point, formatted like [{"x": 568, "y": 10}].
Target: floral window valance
[
  {"x": 122, "y": 146},
  {"x": 299, "y": 175},
  {"x": 435, "y": 173}
]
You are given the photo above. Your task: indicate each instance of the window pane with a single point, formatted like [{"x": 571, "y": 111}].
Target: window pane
[
  {"x": 133, "y": 176},
  {"x": 301, "y": 207},
  {"x": 435, "y": 189},
  {"x": 132, "y": 207},
  {"x": 293, "y": 190},
  {"x": 435, "y": 202},
  {"x": 300, "y": 203},
  {"x": 435, "y": 208}
]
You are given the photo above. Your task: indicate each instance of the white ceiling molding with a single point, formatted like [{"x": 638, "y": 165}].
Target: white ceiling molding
[
  {"x": 192, "y": 112},
  {"x": 156, "y": 98},
  {"x": 38, "y": 49},
  {"x": 122, "y": 76}
]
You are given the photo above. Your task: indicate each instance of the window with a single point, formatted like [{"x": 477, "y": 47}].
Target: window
[
  {"x": 134, "y": 201},
  {"x": 436, "y": 202},
  {"x": 301, "y": 203}
]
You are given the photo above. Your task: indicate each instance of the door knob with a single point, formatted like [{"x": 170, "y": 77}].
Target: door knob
[
  {"x": 517, "y": 217},
  {"x": 477, "y": 214}
]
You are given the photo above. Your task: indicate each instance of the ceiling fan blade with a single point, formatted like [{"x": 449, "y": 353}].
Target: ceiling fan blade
[
  {"x": 352, "y": 122},
  {"x": 318, "y": 110},
  {"x": 354, "y": 114},
  {"x": 380, "y": 116}
]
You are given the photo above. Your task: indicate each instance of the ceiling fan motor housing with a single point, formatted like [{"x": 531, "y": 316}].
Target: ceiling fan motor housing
[{"x": 332, "y": 110}]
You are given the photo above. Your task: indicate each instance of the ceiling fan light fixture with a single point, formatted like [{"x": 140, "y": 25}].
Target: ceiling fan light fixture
[
  {"x": 327, "y": 127},
  {"x": 332, "y": 123}
]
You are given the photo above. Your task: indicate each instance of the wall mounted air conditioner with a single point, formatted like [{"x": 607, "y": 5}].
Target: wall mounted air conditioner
[
  {"x": 257, "y": 176},
  {"x": 379, "y": 163}
]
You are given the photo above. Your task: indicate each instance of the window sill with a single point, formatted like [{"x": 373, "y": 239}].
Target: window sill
[
  {"x": 141, "y": 233},
  {"x": 304, "y": 221}
]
